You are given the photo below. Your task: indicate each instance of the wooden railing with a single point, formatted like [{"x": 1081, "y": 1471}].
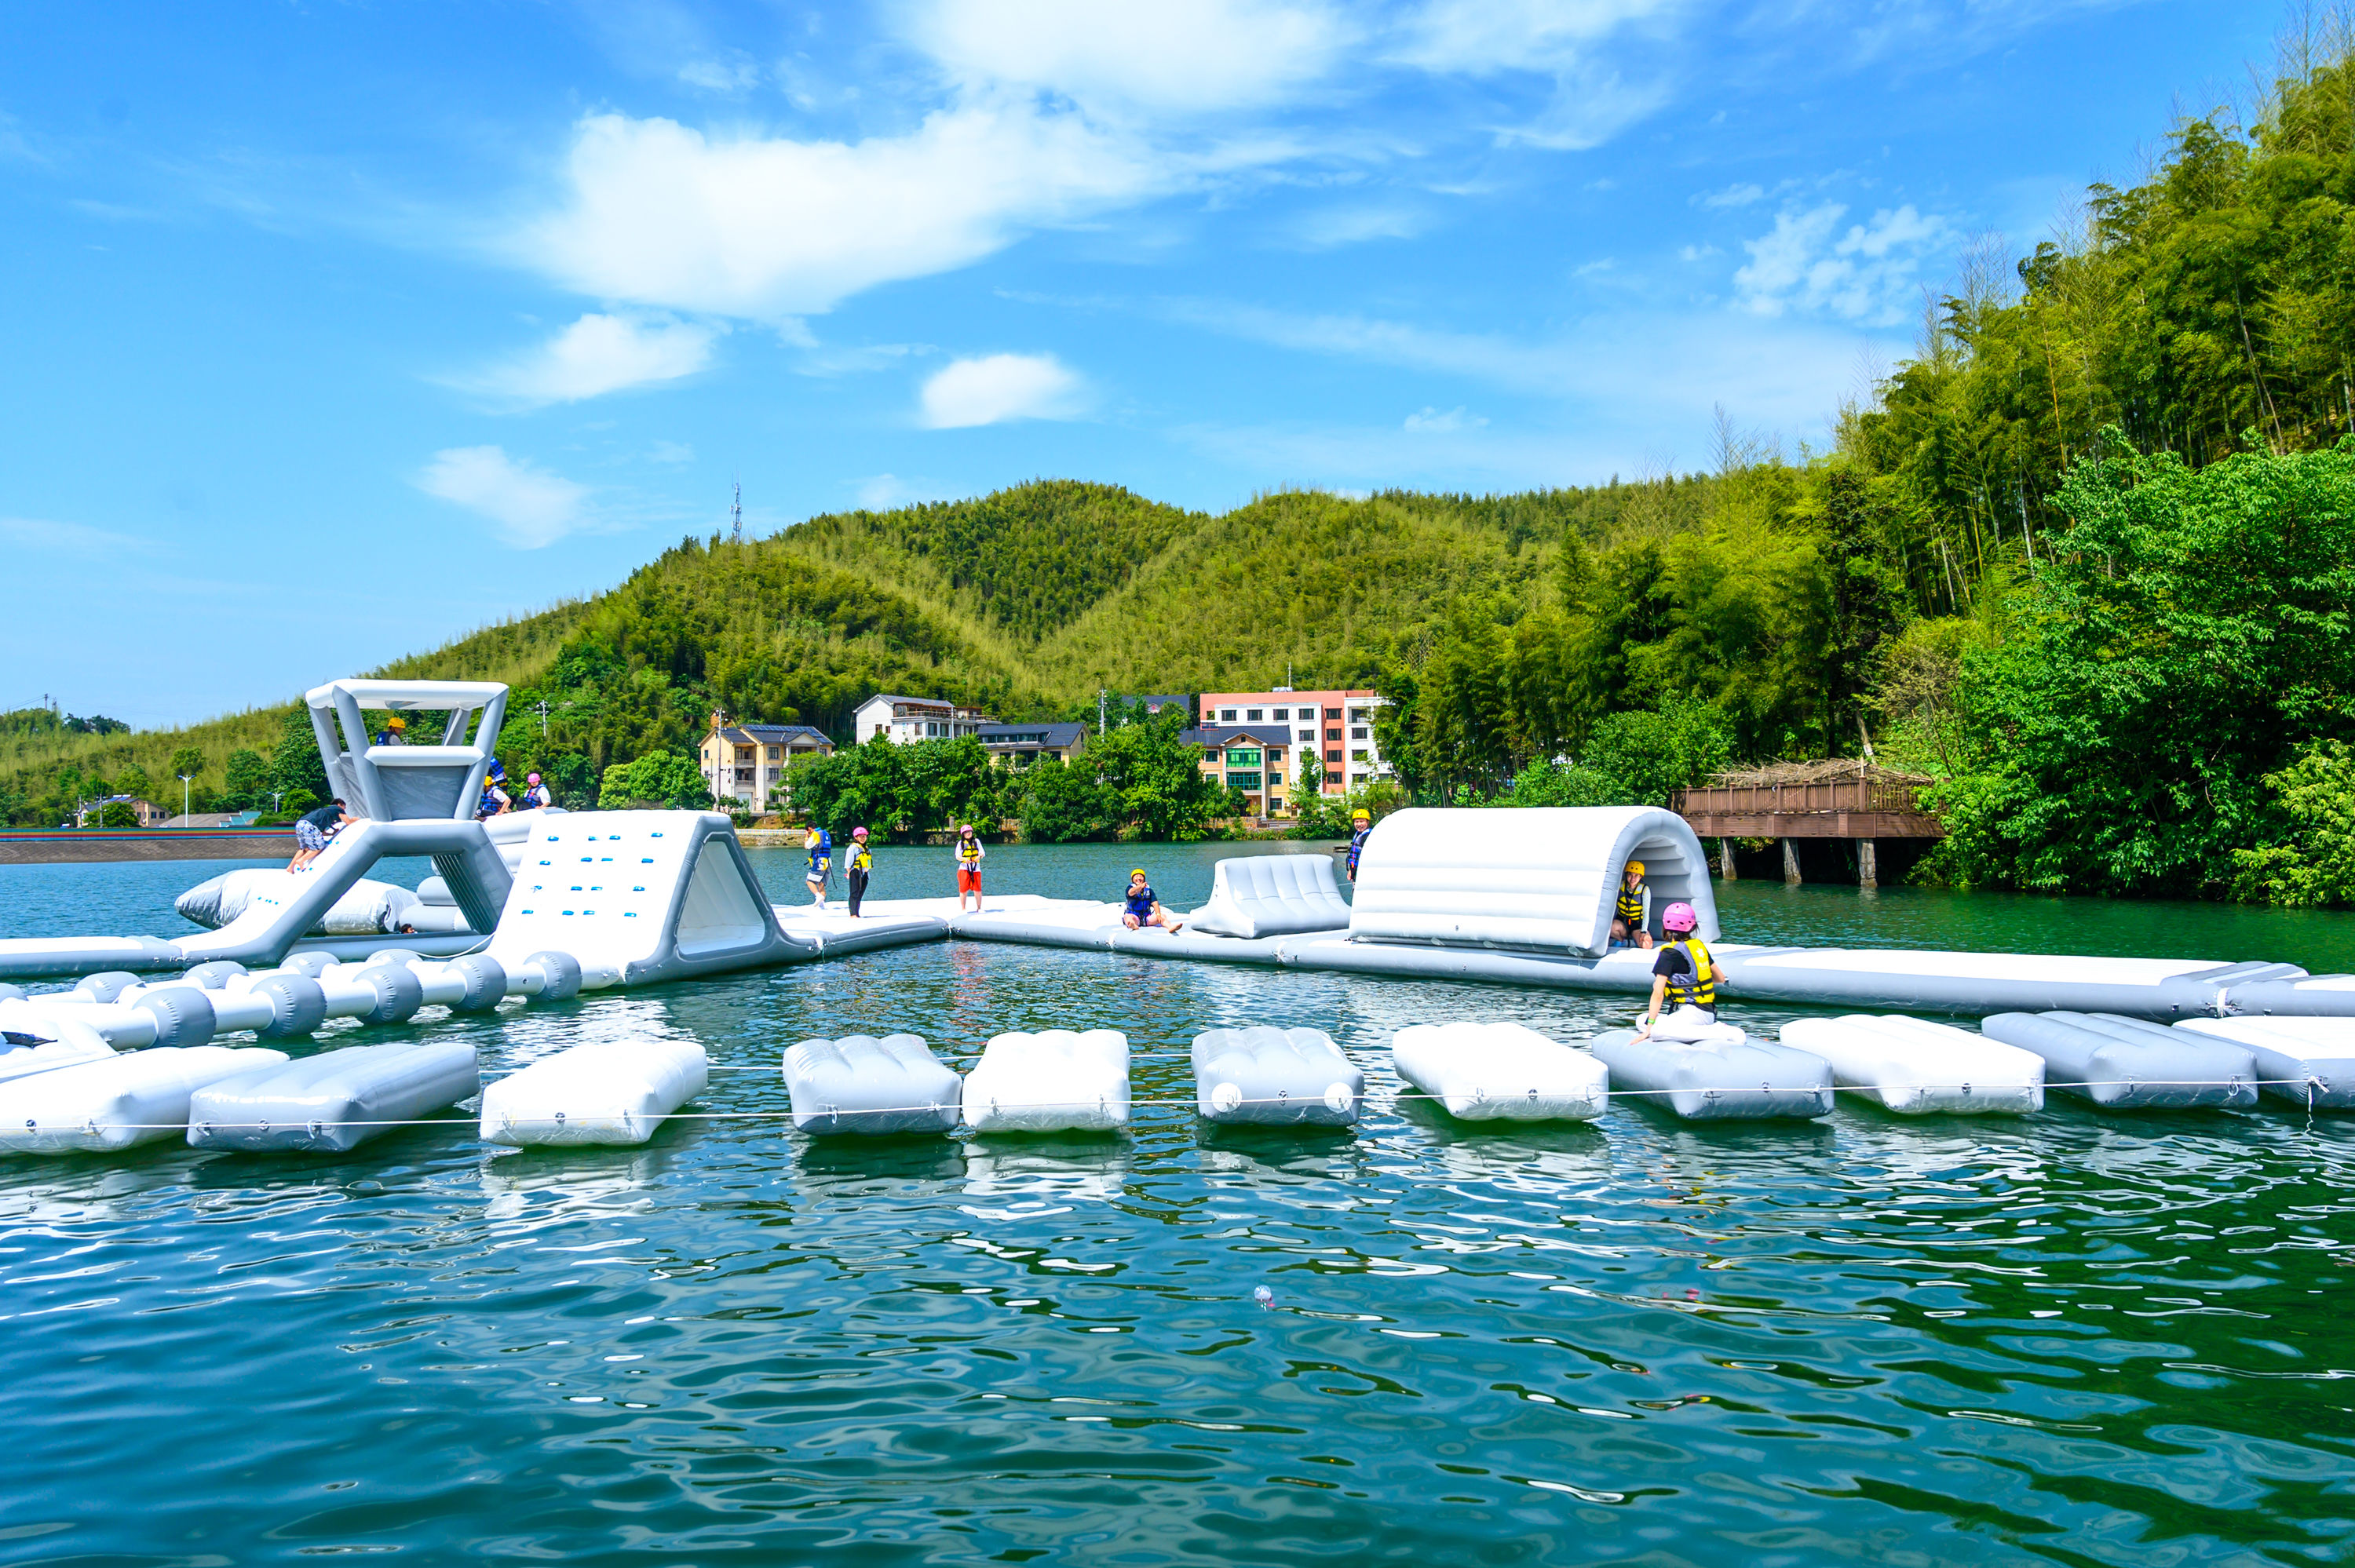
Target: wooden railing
[{"x": 1838, "y": 808}]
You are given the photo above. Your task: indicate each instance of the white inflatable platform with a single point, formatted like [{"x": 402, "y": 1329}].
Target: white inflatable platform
[
  {"x": 1918, "y": 1068},
  {"x": 868, "y": 1088},
  {"x": 1264, "y": 1076},
  {"x": 138, "y": 1096},
  {"x": 2303, "y": 1059},
  {"x": 1501, "y": 1072},
  {"x": 613, "y": 1092},
  {"x": 1270, "y": 895},
  {"x": 334, "y": 1101},
  {"x": 1722, "y": 1076},
  {"x": 1057, "y": 1080},
  {"x": 2128, "y": 1064}
]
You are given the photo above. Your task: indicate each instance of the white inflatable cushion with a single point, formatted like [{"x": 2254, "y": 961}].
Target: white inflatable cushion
[
  {"x": 874, "y": 1087},
  {"x": 367, "y": 909},
  {"x": 34, "y": 1041},
  {"x": 612, "y": 1092},
  {"x": 1916, "y": 1068},
  {"x": 336, "y": 1100},
  {"x": 1053, "y": 1081},
  {"x": 2124, "y": 1063},
  {"x": 1501, "y": 1072},
  {"x": 1713, "y": 1080},
  {"x": 2306, "y": 1061},
  {"x": 137, "y": 1096},
  {"x": 1272, "y": 896},
  {"x": 1283, "y": 1078}
]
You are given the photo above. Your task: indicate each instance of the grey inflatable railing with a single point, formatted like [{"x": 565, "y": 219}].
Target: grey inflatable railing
[
  {"x": 1539, "y": 880},
  {"x": 2127, "y": 1064},
  {"x": 334, "y": 1101},
  {"x": 861, "y": 1086},
  {"x": 1272, "y": 896}
]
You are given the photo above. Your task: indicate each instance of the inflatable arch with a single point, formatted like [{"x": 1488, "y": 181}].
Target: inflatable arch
[{"x": 1541, "y": 880}]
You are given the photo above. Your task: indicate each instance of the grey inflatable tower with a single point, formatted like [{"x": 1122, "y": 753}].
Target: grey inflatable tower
[{"x": 393, "y": 783}]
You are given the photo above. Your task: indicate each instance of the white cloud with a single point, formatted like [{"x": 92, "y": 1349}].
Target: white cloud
[
  {"x": 1328, "y": 228},
  {"x": 671, "y": 452},
  {"x": 1477, "y": 37},
  {"x": 601, "y": 354},
  {"x": 533, "y": 508},
  {"x": 1592, "y": 100},
  {"x": 731, "y": 75},
  {"x": 1161, "y": 57},
  {"x": 1865, "y": 275},
  {"x": 65, "y": 538},
  {"x": 1741, "y": 195},
  {"x": 1431, "y": 421},
  {"x": 658, "y": 214},
  {"x": 1001, "y": 386}
]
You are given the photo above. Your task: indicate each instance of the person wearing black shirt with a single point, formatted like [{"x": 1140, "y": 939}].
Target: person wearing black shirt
[{"x": 311, "y": 831}]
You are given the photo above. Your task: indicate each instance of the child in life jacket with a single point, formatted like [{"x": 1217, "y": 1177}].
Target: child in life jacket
[
  {"x": 1684, "y": 979},
  {"x": 1627, "y": 916},
  {"x": 821, "y": 862},
  {"x": 1143, "y": 909},
  {"x": 969, "y": 853}
]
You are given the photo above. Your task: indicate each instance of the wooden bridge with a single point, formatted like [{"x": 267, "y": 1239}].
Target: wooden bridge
[{"x": 1840, "y": 799}]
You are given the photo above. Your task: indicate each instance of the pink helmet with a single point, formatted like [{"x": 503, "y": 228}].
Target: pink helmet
[
  {"x": 858, "y": 832},
  {"x": 1679, "y": 917},
  {"x": 531, "y": 777}
]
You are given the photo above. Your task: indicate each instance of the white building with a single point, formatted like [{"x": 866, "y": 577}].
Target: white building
[
  {"x": 1337, "y": 725},
  {"x": 904, "y": 721}
]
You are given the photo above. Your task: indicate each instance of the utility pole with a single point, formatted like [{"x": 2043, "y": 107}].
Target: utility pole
[
  {"x": 542, "y": 705},
  {"x": 736, "y": 516},
  {"x": 1100, "y": 713},
  {"x": 184, "y": 797}
]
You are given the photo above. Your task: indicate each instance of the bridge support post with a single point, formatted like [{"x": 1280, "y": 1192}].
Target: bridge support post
[
  {"x": 1868, "y": 874},
  {"x": 1725, "y": 860},
  {"x": 1791, "y": 862}
]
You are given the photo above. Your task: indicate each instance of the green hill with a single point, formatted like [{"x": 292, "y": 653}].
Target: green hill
[{"x": 1025, "y": 602}]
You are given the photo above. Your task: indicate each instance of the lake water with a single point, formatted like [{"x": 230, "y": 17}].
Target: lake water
[{"x": 2069, "y": 1338}]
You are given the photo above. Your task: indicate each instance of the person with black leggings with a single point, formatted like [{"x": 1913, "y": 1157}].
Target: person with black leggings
[{"x": 861, "y": 864}]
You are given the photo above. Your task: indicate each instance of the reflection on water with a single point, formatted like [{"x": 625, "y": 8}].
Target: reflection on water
[{"x": 2078, "y": 1336}]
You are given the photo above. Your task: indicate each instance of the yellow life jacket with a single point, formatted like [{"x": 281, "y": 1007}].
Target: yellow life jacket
[
  {"x": 859, "y": 858},
  {"x": 1698, "y": 989},
  {"x": 969, "y": 850},
  {"x": 1631, "y": 905}
]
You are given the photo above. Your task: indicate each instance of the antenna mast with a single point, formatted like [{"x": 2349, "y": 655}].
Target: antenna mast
[{"x": 736, "y": 516}]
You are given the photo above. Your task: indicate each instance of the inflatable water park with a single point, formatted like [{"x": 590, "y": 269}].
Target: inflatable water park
[{"x": 108, "y": 1041}]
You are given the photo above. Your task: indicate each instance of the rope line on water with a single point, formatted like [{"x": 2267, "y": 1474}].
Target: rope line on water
[{"x": 1394, "y": 1097}]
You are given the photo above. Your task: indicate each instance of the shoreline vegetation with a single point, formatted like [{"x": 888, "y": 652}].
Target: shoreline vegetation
[{"x": 2085, "y": 561}]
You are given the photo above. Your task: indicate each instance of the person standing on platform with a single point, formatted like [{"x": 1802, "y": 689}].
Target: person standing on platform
[
  {"x": 821, "y": 865},
  {"x": 1361, "y": 823},
  {"x": 969, "y": 857},
  {"x": 861, "y": 867}
]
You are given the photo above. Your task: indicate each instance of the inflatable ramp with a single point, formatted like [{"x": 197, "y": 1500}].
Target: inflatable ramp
[{"x": 1270, "y": 895}]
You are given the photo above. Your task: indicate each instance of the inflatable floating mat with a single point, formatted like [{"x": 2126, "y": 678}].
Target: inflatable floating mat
[
  {"x": 862, "y": 1086},
  {"x": 1917, "y": 1068},
  {"x": 1501, "y": 1072},
  {"x": 138, "y": 1096},
  {"x": 1272, "y": 896},
  {"x": 1275, "y": 1077},
  {"x": 336, "y": 1100},
  {"x": 2126, "y": 1063},
  {"x": 2307, "y": 1061},
  {"x": 1728, "y": 1076},
  {"x": 613, "y": 1092},
  {"x": 1053, "y": 1081}
]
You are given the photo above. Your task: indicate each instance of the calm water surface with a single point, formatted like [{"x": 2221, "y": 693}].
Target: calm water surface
[{"x": 2066, "y": 1338}]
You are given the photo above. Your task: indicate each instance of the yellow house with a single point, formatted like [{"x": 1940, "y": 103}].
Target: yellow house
[
  {"x": 1254, "y": 758},
  {"x": 744, "y": 762}
]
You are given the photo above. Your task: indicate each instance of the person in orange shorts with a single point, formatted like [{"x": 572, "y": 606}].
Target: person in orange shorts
[{"x": 969, "y": 857}]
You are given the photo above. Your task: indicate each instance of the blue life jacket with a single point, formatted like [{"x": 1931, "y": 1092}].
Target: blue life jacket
[
  {"x": 1357, "y": 845},
  {"x": 1140, "y": 901},
  {"x": 821, "y": 854}
]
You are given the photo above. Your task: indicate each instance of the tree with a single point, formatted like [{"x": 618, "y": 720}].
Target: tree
[
  {"x": 295, "y": 767},
  {"x": 1155, "y": 781},
  {"x": 659, "y": 779},
  {"x": 1065, "y": 804},
  {"x": 2313, "y": 861},
  {"x": 2189, "y": 631},
  {"x": 245, "y": 780},
  {"x": 186, "y": 762}
]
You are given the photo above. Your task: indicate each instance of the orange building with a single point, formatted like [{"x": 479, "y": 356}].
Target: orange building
[{"x": 1338, "y": 726}]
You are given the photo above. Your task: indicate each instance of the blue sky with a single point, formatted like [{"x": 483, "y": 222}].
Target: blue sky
[{"x": 329, "y": 332}]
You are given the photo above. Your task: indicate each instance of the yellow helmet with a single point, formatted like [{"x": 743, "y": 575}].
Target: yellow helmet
[
  {"x": 1362, "y": 816},
  {"x": 1139, "y": 871},
  {"x": 396, "y": 722},
  {"x": 1636, "y": 867}
]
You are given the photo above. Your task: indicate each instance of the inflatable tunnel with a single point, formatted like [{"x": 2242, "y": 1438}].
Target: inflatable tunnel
[{"x": 1541, "y": 880}]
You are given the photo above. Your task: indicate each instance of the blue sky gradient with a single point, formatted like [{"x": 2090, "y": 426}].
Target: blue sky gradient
[{"x": 333, "y": 330}]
